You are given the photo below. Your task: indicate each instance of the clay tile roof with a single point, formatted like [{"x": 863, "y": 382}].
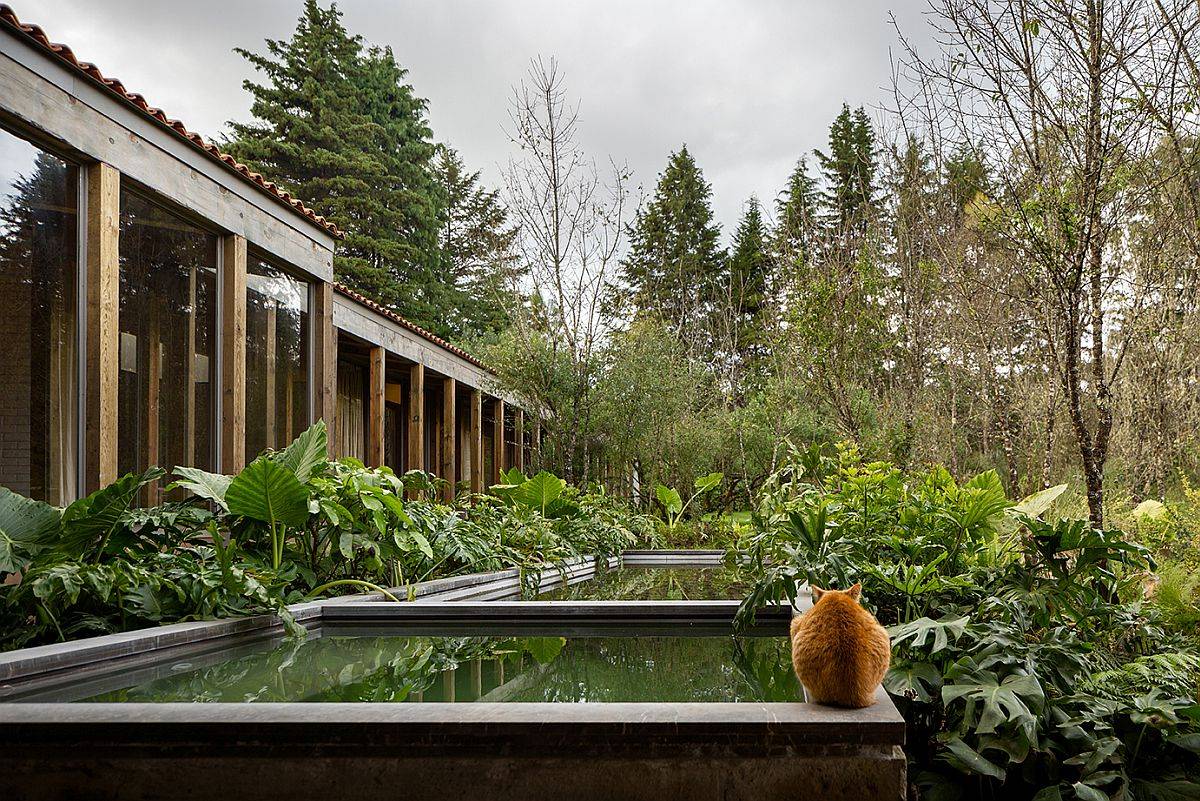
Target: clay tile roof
[
  {"x": 411, "y": 326},
  {"x": 37, "y": 36}
]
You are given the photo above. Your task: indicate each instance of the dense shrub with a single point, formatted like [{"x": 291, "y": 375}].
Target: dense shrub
[
  {"x": 292, "y": 525},
  {"x": 1025, "y": 658}
]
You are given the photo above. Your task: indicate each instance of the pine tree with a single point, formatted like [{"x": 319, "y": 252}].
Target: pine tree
[
  {"x": 337, "y": 126},
  {"x": 674, "y": 264},
  {"x": 796, "y": 209},
  {"x": 749, "y": 282},
  {"x": 849, "y": 172},
  {"x": 476, "y": 246}
]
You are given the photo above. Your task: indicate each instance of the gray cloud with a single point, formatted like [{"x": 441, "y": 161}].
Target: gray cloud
[{"x": 750, "y": 86}]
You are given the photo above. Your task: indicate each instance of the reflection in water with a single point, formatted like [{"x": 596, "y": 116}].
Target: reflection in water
[{"x": 511, "y": 669}]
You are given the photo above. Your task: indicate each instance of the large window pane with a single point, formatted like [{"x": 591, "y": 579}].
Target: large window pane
[
  {"x": 276, "y": 357},
  {"x": 167, "y": 349},
  {"x": 38, "y": 393}
]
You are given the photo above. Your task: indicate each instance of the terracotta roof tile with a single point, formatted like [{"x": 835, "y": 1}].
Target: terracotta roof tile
[
  {"x": 37, "y": 36},
  {"x": 411, "y": 326}
]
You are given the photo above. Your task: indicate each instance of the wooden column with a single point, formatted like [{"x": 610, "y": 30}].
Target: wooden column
[
  {"x": 189, "y": 369},
  {"x": 233, "y": 355},
  {"x": 416, "y": 417},
  {"x": 536, "y": 446},
  {"x": 449, "y": 438},
  {"x": 519, "y": 439},
  {"x": 498, "y": 465},
  {"x": 324, "y": 356},
  {"x": 476, "y": 440},
  {"x": 376, "y": 389},
  {"x": 103, "y": 328}
]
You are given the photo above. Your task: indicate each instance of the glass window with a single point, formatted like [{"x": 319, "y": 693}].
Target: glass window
[
  {"x": 277, "y": 347},
  {"x": 168, "y": 345},
  {"x": 38, "y": 260}
]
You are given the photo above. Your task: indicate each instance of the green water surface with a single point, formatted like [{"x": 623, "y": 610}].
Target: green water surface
[{"x": 654, "y": 667}]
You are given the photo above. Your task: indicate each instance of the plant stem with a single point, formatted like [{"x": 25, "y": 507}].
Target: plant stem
[{"x": 357, "y": 583}]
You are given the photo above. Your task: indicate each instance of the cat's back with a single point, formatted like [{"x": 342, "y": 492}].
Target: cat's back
[{"x": 840, "y": 652}]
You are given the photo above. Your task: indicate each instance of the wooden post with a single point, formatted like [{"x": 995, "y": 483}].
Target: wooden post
[
  {"x": 519, "y": 439},
  {"x": 449, "y": 438},
  {"x": 476, "y": 440},
  {"x": 103, "y": 327},
  {"x": 269, "y": 352},
  {"x": 537, "y": 442},
  {"x": 233, "y": 355},
  {"x": 498, "y": 465},
  {"x": 189, "y": 447},
  {"x": 416, "y": 417},
  {"x": 377, "y": 388},
  {"x": 325, "y": 356}
]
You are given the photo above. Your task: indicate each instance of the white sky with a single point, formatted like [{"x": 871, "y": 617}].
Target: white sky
[{"x": 749, "y": 86}]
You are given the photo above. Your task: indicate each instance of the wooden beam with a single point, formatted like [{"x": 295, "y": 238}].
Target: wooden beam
[
  {"x": 416, "y": 417},
  {"x": 519, "y": 438},
  {"x": 324, "y": 356},
  {"x": 476, "y": 441},
  {"x": 233, "y": 354},
  {"x": 449, "y": 437},
  {"x": 103, "y": 327},
  {"x": 498, "y": 465},
  {"x": 376, "y": 399}
]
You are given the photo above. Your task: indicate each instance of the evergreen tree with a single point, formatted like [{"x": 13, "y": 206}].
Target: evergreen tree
[
  {"x": 796, "y": 209},
  {"x": 337, "y": 126},
  {"x": 849, "y": 172},
  {"x": 674, "y": 264},
  {"x": 476, "y": 245},
  {"x": 749, "y": 282}
]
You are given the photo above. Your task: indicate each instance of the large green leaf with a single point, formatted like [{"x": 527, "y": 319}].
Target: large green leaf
[
  {"x": 708, "y": 482},
  {"x": 307, "y": 453},
  {"x": 917, "y": 632},
  {"x": 26, "y": 527},
  {"x": 269, "y": 492},
  {"x": 669, "y": 498},
  {"x": 918, "y": 680},
  {"x": 90, "y": 522},
  {"x": 204, "y": 484},
  {"x": 539, "y": 491},
  {"x": 971, "y": 760},
  {"x": 1013, "y": 701},
  {"x": 1039, "y": 503}
]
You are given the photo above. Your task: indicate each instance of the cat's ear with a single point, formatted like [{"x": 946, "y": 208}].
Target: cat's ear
[
  {"x": 855, "y": 591},
  {"x": 817, "y": 592}
]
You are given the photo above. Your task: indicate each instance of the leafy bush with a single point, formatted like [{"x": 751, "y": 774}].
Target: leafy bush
[
  {"x": 1025, "y": 660},
  {"x": 292, "y": 525}
]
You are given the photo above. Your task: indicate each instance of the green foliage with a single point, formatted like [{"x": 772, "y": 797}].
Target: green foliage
[
  {"x": 673, "y": 504},
  {"x": 292, "y": 524},
  {"x": 1024, "y": 658}
]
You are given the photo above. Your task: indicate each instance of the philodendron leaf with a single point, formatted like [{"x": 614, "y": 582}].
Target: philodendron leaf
[
  {"x": 539, "y": 491},
  {"x": 31, "y": 525},
  {"x": 88, "y": 523},
  {"x": 919, "y": 680},
  {"x": 1012, "y": 701},
  {"x": 203, "y": 484},
  {"x": 669, "y": 498},
  {"x": 1039, "y": 503},
  {"x": 967, "y": 757},
  {"x": 917, "y": 632},
  {"x": 709, "y": 482},
  {"x": 268, "y": 492},
  {"x": 308, "y": 452}
]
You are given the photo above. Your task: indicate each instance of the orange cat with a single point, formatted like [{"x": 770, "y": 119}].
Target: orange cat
[{"x": 839, "y": 650}]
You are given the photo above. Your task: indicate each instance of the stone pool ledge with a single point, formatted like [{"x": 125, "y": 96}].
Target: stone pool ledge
[{"x": 728, "y": 751}]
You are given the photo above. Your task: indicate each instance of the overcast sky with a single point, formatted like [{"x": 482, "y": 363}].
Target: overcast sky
[{"x": 749, "y": 86}]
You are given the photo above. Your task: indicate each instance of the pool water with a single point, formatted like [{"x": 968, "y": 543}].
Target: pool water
[
  {"x": 674, "y": 583},
  {"x": 652, "y": 666}
]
